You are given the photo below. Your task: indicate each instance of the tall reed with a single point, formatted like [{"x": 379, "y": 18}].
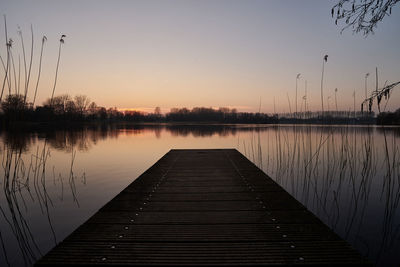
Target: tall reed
[
  {"x": 30, "y": 66},
  {"x": 297, "y": 78},
  {"x": 8, "y": 46},
  {"x": 337, "y": 177},
  {"x": 44, "y": 39},
  {"x": 58, "y": 64},
  {"x": 325, "y": 59},
  {"x": 24, "y": 184}
]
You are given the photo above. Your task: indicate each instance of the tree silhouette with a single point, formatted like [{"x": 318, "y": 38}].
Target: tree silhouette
[
  {"x": 81, "y": 103},
  {"x": 13, "y": 107},
  {"x": 362, "y": 15}
]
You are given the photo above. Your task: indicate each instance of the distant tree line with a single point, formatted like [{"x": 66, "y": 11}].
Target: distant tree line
[
  {"x": 221, "y": 115},
  {"x": 389, "y": 118},
  {"x": 14, "y": 109},
  {"x": 64, "y": 108}
]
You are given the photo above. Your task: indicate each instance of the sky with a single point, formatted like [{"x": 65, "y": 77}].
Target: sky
[{"x": 212, "y": 53}]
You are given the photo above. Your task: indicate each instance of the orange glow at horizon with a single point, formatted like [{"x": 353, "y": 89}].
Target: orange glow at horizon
[{"x": 138, "y": 55}]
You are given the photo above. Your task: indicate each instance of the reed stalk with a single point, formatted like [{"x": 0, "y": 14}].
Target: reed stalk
[
  {"x": 58, "y": 64},
  {"x": 44, "y": 39},
  {"x": 8, "y": 45},
  {"x": 30, "y": 66},
  {"x": 325, "y": 59}
]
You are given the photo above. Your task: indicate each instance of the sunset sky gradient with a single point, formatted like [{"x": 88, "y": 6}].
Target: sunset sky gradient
[{"x": 143, "y": 54}]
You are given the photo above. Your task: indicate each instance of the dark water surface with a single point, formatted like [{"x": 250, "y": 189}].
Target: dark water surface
[{"x": 52, "y": 182}]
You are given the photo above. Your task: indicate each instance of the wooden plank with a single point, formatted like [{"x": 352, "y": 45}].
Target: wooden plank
[
  {"x": 189, "y": 254},
  {"x": 202, "y": 207},
  {"x": 185, "y": 206},
  {"x": 202, "y": 233}
]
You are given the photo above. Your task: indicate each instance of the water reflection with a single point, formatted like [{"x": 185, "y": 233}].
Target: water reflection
[
  {"x": 348, "y": 176},
  {"x": 25, "y": 186},
  {"x": 83, "y": 139}
]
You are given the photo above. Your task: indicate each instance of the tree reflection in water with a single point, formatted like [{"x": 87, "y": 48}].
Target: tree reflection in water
[
  {"x": 24, "y": 183},
  {"x": 348, "y": 176}
]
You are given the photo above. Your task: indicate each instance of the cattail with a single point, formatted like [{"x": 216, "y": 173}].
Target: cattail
[
  {"x": 366, "y": 93},
  {"x": 58, "y": 63},
  {"x": 336, "y": 99},
  {"x": 322, "y": 82},
  {"x": 30, "y": 66},
  {"x": 297, "y": 77},
  {"x": 44, "y": 39},
  {"x": 24, "y": 57},
  {"x": 8, "y": 45}
]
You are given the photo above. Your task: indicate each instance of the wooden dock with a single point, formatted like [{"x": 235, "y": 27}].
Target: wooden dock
[{"x": 203, "y": 207}]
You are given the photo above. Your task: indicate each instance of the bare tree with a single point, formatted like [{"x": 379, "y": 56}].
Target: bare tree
[
  {"x": 362, "y": 15},
  {"x": 13, "y": 104},
  {"x": 58, "y": 103},
  {"x": 157, "y": 111},
  {"x": 92, "y": 109},
  {"x": 81, "y": 103}
]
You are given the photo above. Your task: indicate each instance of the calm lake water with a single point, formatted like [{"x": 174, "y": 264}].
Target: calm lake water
[{"x": 349, "y": 176}]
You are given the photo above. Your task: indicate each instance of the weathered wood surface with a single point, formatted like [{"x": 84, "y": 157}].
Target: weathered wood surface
[{"x": 203, "y": 207}]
